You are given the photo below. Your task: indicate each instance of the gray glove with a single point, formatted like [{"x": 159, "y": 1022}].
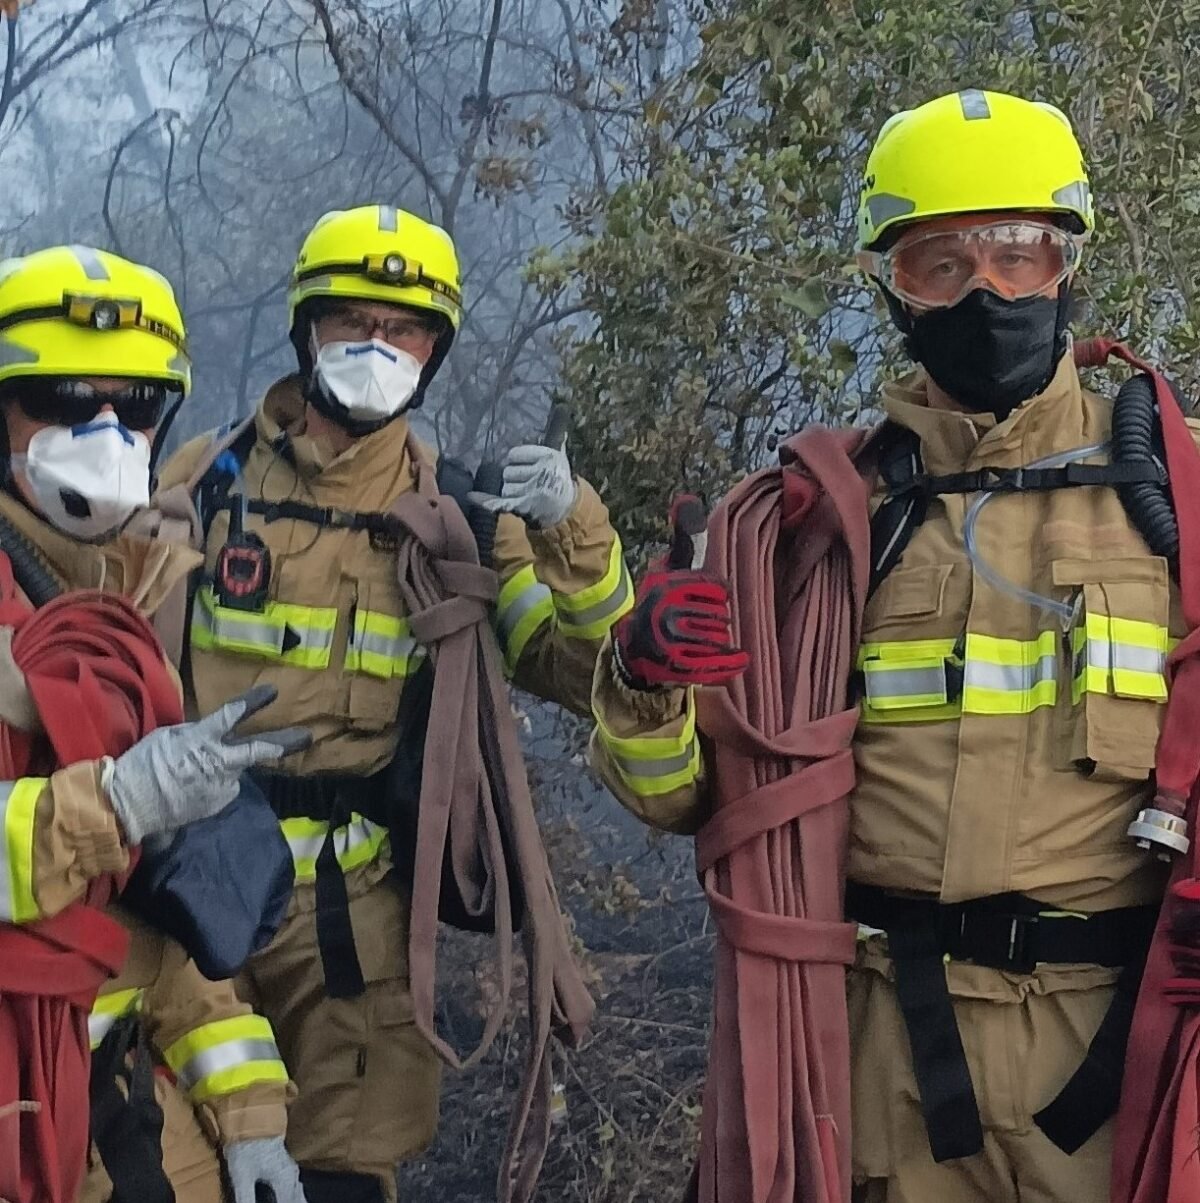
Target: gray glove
[
  {"x": 179, "y": 774},
  {"x": 251, "y": 1162},
  {"x": 538, "y": 485}
]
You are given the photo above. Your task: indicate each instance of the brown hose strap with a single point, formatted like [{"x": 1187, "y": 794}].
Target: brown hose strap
[{"x": 464, "y": 805}]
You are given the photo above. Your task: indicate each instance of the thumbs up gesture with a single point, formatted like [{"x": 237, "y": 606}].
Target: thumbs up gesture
[{"x": 679, "y": 631}]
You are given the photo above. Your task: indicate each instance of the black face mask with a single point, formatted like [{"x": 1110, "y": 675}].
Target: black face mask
[{"x": 987, "y": 353}]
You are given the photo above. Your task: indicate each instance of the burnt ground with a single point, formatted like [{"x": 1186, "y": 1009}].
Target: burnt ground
[{"x": 633, "y": 1090}]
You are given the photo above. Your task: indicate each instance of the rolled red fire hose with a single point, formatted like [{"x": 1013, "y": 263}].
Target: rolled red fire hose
[
  {"x": 794, "y": 545},
  {"x": 99, "y": 681}
]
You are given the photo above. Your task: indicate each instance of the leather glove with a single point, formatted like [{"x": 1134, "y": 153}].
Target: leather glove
[
  {"x": 250, "y": 1163},
  {"x": 538, "y": 485},
  {"x": 190, "y": 771},
  {"x": 678, "y": 633}
]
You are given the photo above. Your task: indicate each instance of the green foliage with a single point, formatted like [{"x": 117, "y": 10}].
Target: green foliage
[{"x": 723, "y": 309}]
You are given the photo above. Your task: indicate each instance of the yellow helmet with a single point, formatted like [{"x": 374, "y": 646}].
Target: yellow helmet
[
  {"x": 973, "y": 152},
  {"x": 75, "y": 311},
  {"x": 378, "y": 253}
]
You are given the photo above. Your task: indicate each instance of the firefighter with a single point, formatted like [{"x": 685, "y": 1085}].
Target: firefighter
[
  {"x": 1011, "y": 686},
  {"x": 91, "y": 352},
  {"x": 300, "y": 591}
]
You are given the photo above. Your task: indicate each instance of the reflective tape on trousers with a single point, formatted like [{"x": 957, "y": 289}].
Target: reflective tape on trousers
[{"x": 357, "y": 843}]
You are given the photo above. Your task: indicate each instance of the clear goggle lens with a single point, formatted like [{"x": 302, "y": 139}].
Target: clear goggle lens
[{"x": 1014, "y": 259}]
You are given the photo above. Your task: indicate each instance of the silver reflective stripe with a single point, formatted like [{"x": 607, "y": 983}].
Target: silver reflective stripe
[
  {"x": 392, "y": 647},
  {"x": 974, "y": 105},
  {"x": 6, "y": 882},
  {"x": 228, "y": 1055},
  {"x": 1127, "y": 657},
  {"x": 1010, "y": 678},
  {"x": 345, "y": 839},
  {"x": 91, "y": 263},
  {"x": 388, "y": 219},
  {"x": 884, "y": 207},
  {"x": 99, "y": 1026},
  {"x": 904, "y": 682},
  {"x": 602, "y": 609},
  {"x": 1074, "y": 196},
  {"x": 269, "y": 635},
  {"x": 10, "y": 353},
  {"x": 520, "y": 606},
  {"x": 661, "y": 767}
]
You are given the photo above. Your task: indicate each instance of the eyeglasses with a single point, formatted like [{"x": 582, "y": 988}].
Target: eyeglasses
[
  {"x": 138, "y": 406},
  {"x": 356, "y": 326},
  {"x": 1014, "y": 259}
]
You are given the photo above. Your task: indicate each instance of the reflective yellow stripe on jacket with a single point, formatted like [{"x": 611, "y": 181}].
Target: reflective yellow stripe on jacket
[
  {"x": 298, "y": 635},
  {"x": 18, "y": 809},
  {"x": 107, "y": 1009},
  {"x": 590, "y": 613},
  {"x": 1123, "y": 656},
  {"x": 653, "y": 765},
  {"x": 381, "y": 646},
  {"x": 935, "y": 679},
  {"x": 224, "y": 1056},
  {"x": 525, "y": 604},
  {"x": 357, "y": 843}
]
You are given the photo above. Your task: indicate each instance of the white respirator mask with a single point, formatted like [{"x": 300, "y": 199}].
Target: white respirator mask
[
  {"x": 87, "y": 479},
  {"x": 372, "y": 381}
]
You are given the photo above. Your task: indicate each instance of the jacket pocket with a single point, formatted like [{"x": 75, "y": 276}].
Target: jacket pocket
[
  {"x": 381, "y": 656},
  {"x": 1118, "y": 650},
  {"x": 909, "y": 663}
]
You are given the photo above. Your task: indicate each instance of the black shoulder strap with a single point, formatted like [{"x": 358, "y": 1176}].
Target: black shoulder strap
[
  {"x": 904, "y": 508},
  {"x": 226, "y": 466}
]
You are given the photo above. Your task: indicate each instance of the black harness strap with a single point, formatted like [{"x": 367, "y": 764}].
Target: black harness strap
[
  {"x": 330, "y": 799},
  {"x": 1009, "y": 932},
  {"x": 126, "y": 1125},
  {"x": 1038, "y": 480}
]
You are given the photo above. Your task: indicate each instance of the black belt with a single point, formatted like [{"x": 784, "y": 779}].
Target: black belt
[
  {"x": 330, "y": 799},
  {"x": 1013, "y": 933}
]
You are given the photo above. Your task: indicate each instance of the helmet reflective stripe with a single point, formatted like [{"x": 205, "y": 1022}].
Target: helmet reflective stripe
[
  {"x": 89, "y": 260},
  {"x": 388, "y": 219}
]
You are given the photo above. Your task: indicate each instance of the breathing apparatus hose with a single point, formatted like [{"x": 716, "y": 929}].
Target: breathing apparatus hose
[
  {"x": 29, "y": 569},
  {"x": 1137, "y": 438}
]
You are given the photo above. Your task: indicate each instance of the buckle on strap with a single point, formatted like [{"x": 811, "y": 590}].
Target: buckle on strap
[{"x": 998, "y": 939}]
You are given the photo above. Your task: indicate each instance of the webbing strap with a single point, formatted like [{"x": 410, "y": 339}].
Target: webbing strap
[
  {"x": 1008, "y": 932},
  {"x": 1035, "y": 480},
  {"x": 335, "y": 933},
  {"x": 944, "y": 1084},
  {"x": 1091, "y": 1096},
  {"x": 317, "y": 515},
  {"x": 127, "y": 1123}
]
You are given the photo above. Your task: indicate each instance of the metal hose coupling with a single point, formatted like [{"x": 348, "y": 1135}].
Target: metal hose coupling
[{"x": 1161, "y": 827}]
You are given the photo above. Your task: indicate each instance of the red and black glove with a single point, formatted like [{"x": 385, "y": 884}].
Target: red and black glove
[{"x": 678, "y": 632}]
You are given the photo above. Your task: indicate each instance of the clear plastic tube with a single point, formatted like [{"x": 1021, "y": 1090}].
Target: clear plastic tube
[{"x": 1065, "y": 611}]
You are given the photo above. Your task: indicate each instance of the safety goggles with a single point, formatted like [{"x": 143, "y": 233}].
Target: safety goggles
[
  {"x": 1014, "y": 259},
  {"x": 138, "y": 405}
]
